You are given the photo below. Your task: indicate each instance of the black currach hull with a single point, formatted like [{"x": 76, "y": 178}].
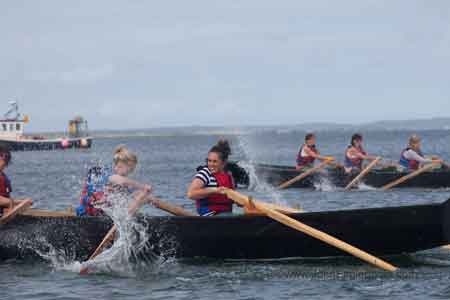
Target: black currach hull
[
  {"x": 379, "y": 231},
  {"x": 275, "y": 175}
]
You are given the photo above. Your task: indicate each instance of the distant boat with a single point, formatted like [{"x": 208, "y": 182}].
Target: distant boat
[{"x": 12, "y": 134}]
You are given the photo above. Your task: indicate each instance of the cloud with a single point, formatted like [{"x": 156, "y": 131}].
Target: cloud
[{"x": 225, "y": 62}]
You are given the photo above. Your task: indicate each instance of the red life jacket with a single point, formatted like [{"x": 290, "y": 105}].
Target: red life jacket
[
  {"x": 355, "y": 162},
  {"x": 5, "y": 185},
  {"x": 306, "y": 160},
  {"x": 217, "y": 203},
  {"x": 407, "y": 163}
]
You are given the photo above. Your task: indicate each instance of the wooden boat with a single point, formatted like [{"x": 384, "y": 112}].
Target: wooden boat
[
  {"x": 12, "y": 134},
  {"x": 276, "y": 174},
  {"x": 379, "y": 231}
]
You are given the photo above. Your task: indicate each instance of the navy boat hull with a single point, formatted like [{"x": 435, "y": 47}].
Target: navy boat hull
[
  {"x": 276, "y": 175},
  {"x": 379, "y": 231}
]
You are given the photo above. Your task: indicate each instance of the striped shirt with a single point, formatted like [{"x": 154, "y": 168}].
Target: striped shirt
[{"x": 207, "y": 177}]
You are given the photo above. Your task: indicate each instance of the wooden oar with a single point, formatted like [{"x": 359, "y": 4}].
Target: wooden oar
[
  {"x": 282, "y": 209},
  {"x": 304, "y": 175},
  {"x": 109, "y": 237},
  {"x": 363, "y": 173},
  {"x": 173, "y": 209},
  {"x": 14, "y": 211},
  {"x": 409, "y": 176},
  {"x": 324, "y": 237}
]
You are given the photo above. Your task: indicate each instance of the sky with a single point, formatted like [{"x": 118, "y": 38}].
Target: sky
[{"x": 144, "y": 64}]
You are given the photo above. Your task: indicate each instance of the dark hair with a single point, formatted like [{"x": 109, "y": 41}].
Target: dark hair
[
  {"x": 5, "y": 154},
  {"x": 356, "y": 137},
  {"x": 222, "y": 148},
  {"x": 309, "y": 136}
]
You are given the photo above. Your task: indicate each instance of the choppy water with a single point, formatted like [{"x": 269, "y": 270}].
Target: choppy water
[{"x": 54, "y": 180}]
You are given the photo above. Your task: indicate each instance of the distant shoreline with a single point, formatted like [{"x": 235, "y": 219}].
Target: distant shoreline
[{"x": 408, "y": 125}]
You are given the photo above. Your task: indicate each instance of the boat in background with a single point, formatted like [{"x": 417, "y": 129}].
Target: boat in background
[
  {"x": 277, "y": 174},
  {"x": 12, "y": 134}
]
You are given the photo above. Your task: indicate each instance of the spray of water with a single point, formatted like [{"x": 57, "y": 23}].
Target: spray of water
[
  {"x": 324, "y": 184},
  {"x": 364, "y": 187},
  {"x": 131, "y": 238},
  {"x": 256, "y": 184}
]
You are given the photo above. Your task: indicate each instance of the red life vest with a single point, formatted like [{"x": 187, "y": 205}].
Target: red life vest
[
  {"x": 217, "y": 203},
  {"x": 355, "y": 162},
  {"x": 409, "y": 163},
  {"x": 306, "y": 160},
  {"x": 5, "y": 185}
]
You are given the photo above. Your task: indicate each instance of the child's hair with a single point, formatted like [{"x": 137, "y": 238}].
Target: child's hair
[
  {"x": 122, "y": 154},
  {"x": 223, "y": 149},
  {"x": 5, "y": 154}
]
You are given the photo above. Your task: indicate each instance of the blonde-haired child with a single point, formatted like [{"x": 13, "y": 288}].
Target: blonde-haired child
[{"x": 99, "y": 179}]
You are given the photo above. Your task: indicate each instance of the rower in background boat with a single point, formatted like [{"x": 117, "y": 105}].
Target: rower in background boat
[
  {"x": 101, "y": 180},
  {"x": 412, "y": 158},
  {"x": 308, "y": 153},
  {"x": 209, "y": 184},
  {"x": 5, "y": 184},
  {"x": 355, "y": 155}
]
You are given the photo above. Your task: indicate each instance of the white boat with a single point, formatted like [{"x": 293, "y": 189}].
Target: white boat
[{"x": 12, "y": 134}]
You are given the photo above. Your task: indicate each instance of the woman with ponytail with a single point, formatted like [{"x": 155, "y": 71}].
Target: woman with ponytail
[
  {"x": 210, "y": 181},
  {"x": 100, "y": 179}
]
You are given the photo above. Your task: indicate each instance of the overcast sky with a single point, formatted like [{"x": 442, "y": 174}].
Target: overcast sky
[{"x": 140, "y": 64}]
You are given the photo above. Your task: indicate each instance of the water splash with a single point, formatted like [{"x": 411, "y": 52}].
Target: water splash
[
  {"x": 324, "y": 184},
  {"x": 364, "y": 187},
  {"x": 131, "y": 239},
  {"x": 255, "y": 183}
]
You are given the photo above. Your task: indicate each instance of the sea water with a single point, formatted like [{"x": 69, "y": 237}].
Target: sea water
[{"x": 54, "y": 180}]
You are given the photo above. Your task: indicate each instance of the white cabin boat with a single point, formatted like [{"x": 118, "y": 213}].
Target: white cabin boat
[{"x": 12, "y": 134}]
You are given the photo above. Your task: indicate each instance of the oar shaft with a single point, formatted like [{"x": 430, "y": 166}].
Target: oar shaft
[
  {"x": 109, "y": 237},
  {"x": 173, "y": 209},
  {"x": 303, "y": 175},
  {"x": 324, "y": 237},
  {"x": 408, "y": 177},
  {"x": 14, "y": 211},
  {"x": 363, "y": 173},
  {"x": 288, "y": 221}
]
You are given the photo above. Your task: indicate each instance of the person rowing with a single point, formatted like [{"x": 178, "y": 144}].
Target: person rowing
[
  {"x": 100, "y": 181},
  {"x": 6, "y": 201},
  {"x": 207, "y": 187},
  {"x": 412, "y": 157},
  {"x": 355, "y": 155},
  {"x": 308, "y": 153}
]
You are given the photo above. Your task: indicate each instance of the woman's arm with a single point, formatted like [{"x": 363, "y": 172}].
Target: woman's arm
[
  {"x": 413, "y": 155},
  {"x": 317, "y": 155},
  {"x": 197, "y": 190}
]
